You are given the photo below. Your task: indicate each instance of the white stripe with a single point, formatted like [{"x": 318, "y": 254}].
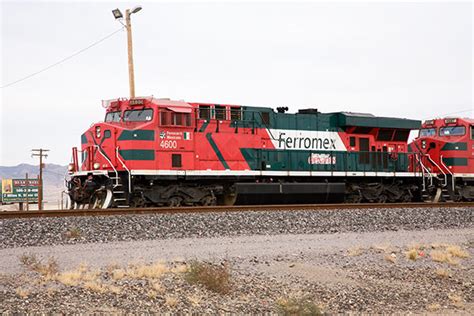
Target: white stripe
[
  {"x": 94, "y": 172},
  {"x": 463, "y": 175},
  {"x": 274, "y": 173}
]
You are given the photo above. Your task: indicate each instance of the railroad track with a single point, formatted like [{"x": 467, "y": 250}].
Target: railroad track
[{"x": 221, "y": 209}]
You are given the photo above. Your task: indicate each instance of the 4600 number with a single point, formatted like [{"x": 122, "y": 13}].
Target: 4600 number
[{"x": 168, "y": 144}]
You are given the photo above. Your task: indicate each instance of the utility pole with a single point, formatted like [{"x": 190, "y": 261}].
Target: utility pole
[
  {"x": 131, "y": 74},
  {"x": 40, "y": 153},
  {"x": 27, "y": 192},
  {"x": 128, "y": 25}
]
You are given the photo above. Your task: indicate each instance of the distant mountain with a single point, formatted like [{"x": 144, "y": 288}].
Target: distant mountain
[
  {"x": 53, "y": 175},
  {"x": 53, "y": 179}
]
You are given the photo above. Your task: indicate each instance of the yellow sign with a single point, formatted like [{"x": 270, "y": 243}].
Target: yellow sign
[{"x": 7, "y": 186}]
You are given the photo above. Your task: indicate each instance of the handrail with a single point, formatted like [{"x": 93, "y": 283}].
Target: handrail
[
  {"x": 110, "y": 163},
  {"x": 437, "y": 166},
  {"x": 424, "y": 169},
  {"x": 452, "y": 175},
  {"x": 125, "y": 167}
]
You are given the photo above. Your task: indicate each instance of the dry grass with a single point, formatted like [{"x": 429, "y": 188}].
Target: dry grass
[
  {"x": 112, "y": 266},
  {"x": 443, "y": 257},
  {"x": 195, "y": 300},
  {"x": 81, "y": 275},
  {"x": 456, "y": 251},
  {"x": 456, "y": 300},
  {"x": 182, "y": 268},
  {"x": 73, "y": 233},
  {"x": 433, "y": 307},
  {"x": 412, "y": 254},
  {"x": 157, "y": 287},
  {"x": 70, "y": 278},
  {"x": 95, "y": 286},
  {"x": 118, "y": 274},
  {"x": 171, "y": 301},
  {"x": 297, "y": 306},
  {"x": 443, "y": 273},
  {"x": 114, "y": 289},
  {"x": 446, "y": 253},
  {"x": 215, "y": 278},
  {"x": 355, "y": 251},
  {"x": 22, "y": 292},
  {"x": 144, "y": 271},
  {"x": 46, "y": 270}
]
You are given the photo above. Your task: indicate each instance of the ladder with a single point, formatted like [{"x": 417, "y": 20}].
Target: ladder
[{"x": 119, "y": 195}]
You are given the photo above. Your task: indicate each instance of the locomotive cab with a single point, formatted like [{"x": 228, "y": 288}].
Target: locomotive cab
[{"x": 447, "y": 148}]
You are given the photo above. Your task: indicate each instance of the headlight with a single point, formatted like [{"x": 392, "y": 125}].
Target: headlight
[
  {"x": 423, "y": 144},
  {"x": 97, "y": 131},
  {"x": 70, "y": 167},
  {"x": 96, "y": 165}
]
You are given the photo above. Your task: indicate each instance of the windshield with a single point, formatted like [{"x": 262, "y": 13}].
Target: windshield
[
  {"x": 138, "y": 115},
  {"x": 452, "y": 131},
  {"x": 113, "y": 117},
  {"x": 425, "y": 132}
]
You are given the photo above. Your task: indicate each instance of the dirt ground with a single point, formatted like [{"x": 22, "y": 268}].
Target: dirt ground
[{"x": 429, "y": 271}]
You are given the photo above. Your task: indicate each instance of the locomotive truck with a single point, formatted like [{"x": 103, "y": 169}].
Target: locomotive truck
[{"x": 160, "y": 152}]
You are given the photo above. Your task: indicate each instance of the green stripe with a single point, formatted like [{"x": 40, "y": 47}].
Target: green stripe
[
  {"x": 455, "y": 161},
  {"x": 140, "y": 134},
  {"x": 137, "y": 154},
  {"x": 83, "y": 139},
  {"x": 204, "y": 126},
  {"x": 454, "y": 146},
  {"x": 217, "y": 151}
]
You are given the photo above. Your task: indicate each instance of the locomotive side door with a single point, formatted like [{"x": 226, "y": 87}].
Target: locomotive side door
[{"x": 364, "y": 154}]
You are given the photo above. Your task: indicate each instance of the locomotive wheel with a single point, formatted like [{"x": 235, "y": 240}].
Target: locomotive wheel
[
  {"x": 138, "y": 201},
  {"x": 382, "y": 198},
  {"x": 228, "y": 199},
  {"x": 175, "y": 201},
  {"x": 208, "y": 201},
  {"x": 101, "y": 199}
]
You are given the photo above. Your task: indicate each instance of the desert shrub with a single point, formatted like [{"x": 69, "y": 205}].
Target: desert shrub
[
  {"x": 214, "y": 277},
  {"x": 298, "y": 306}
]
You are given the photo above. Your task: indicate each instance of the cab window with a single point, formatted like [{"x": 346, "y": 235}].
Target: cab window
[
  {"x": 143, "y": 115},
  {"x": 220, "y": 112},
  {"x": 472, "y": 131},
  {"x": 235, "y": 114},
  {"x": 112, "y": 117},
  {"x": 205, "y": 112},
  {"x": 426, "y": 132},
  {"x": 452, "y": 131},
  {"x": 170, "y": 118}
]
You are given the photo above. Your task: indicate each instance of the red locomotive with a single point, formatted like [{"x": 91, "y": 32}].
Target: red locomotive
[
  {"x": 447, "y": 160},
  {"x": 152, "y": 151}
]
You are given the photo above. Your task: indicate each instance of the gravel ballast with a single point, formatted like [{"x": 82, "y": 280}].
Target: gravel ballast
[
  {"x": 365, "y": 261},
  {"x": 70, "y": 230}
]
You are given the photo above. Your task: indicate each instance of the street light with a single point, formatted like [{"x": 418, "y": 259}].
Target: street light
[{"x": 118, "y": 16}]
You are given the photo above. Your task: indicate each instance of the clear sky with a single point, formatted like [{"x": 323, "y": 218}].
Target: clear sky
[{"x": 411, "y": 60}]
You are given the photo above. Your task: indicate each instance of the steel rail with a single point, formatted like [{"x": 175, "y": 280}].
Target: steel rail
[{"x": 220, "y": 209}]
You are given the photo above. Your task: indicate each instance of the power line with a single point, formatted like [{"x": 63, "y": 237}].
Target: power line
[
  {"x": 62, "y": 60},
  {"x": 445, "y": 114}
]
